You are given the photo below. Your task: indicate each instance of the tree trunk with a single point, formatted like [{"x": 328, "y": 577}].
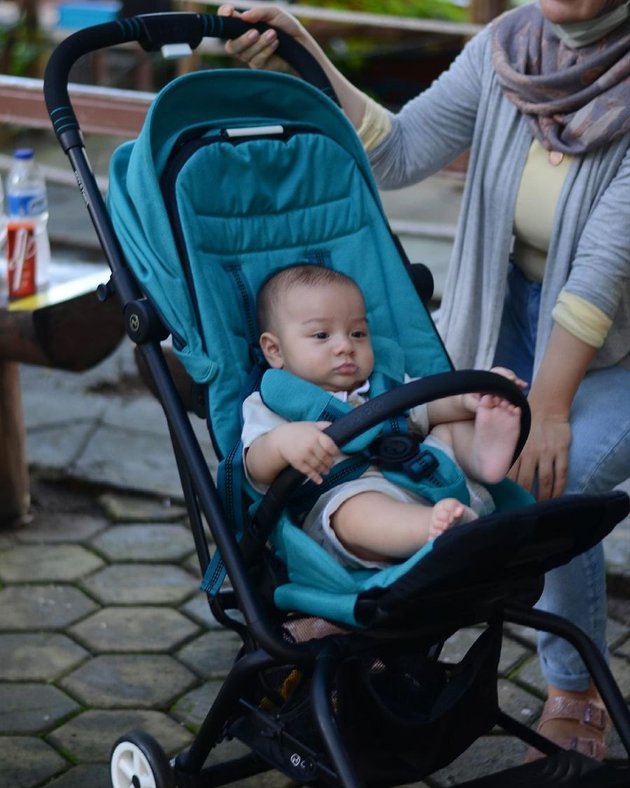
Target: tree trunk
[{"x": 482, "y": 11}]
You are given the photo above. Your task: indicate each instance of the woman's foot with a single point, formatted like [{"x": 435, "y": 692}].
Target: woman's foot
[
  {"x": 574, "y": 721},
  {"x": 447, "y": 513}
]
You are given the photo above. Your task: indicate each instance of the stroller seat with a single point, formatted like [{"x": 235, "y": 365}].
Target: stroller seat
[{"x": 237, "y": 174}]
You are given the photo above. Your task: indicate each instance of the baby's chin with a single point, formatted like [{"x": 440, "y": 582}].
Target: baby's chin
[{"x": 348, "y": 386}]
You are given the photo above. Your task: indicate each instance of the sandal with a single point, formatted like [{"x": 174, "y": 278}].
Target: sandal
[{"x": 590, "y": 721}]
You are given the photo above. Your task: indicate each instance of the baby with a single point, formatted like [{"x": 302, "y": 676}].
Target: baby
[{"x": 314, "y": 325}]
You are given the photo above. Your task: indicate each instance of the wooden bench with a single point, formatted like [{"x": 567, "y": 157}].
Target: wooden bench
[{"x": 65, "y": 327}]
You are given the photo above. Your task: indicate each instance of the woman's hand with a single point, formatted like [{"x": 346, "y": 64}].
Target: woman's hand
[
  {"x": 544, "y": 458},
  {"x": 256, "y": 49}
]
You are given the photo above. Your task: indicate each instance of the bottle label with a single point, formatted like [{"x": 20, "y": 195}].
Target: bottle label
[
  {"x": 27, "y": 204},
  {"x": 21, "y": 256}
]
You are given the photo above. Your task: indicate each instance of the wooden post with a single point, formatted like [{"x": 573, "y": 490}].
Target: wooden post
[
  {"x": 482, "y": 11},
  {"x": 14, "y": 482}
]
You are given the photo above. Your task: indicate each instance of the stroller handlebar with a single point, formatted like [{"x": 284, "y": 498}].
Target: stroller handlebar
[
  {"x": 152, "y": 32},
  {"x": 417, "y": 392}
]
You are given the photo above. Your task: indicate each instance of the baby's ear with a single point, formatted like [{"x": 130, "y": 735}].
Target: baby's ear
[{"x": 270, "y": 346}]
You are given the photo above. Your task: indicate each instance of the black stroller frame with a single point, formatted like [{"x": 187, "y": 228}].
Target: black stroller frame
[{"x": 243, "y": 708}]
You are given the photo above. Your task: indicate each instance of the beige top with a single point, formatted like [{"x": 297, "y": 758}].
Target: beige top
[
  {"x": 541, "y": 184},
  {"x": 536, "y": 201}
]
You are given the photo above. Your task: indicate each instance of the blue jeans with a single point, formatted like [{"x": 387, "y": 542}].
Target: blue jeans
[{"x": 599, "y": 459}]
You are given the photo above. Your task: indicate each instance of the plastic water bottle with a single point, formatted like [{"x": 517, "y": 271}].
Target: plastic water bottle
[{"x": 28, "y": 247}]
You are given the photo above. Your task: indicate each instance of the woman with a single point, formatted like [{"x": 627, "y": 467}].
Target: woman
[{"x": 539, "y": 276}]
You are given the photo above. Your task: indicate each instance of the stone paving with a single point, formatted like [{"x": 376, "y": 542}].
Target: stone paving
[{"x": 102, "y": 627}]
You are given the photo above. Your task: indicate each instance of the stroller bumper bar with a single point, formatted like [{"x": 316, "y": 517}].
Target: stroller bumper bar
[
  {"x": 153, "y": 32},
  {"x": 381, "y": 408}
]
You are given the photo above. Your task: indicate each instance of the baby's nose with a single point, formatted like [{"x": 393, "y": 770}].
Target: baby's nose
[{"x": 344, "y": 345}]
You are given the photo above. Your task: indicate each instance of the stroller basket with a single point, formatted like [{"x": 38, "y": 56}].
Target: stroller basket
[{"x": 339, "y": 680}]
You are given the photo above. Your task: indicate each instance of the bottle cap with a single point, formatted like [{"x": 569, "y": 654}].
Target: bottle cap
[{"x": 23, "y": 153}]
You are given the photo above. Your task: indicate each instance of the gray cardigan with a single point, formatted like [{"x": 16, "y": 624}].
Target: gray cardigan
[{"x": 589, "y": 251}]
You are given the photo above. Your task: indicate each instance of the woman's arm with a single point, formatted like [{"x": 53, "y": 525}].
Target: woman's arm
[{"x": 599, "y": 275}]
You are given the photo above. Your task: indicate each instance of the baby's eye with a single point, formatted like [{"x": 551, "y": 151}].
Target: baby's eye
[
  {"x": 320, "y": 335},
  {"x": 359, "y": 334}
]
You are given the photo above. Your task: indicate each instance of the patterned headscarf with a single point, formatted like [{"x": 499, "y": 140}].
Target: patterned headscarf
[{"x": 575, "y": 100}]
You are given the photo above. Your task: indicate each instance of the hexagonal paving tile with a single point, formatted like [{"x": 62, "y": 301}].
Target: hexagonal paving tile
[
  {"x": 145, "y": 542},
  {"x": 145, "y": 456},
  {"x": 518, "y": 703},
  {"x": 94, "y": 776},
  {"x": 38, "y": 657},
  {"x": 192, "y": 707},
  {"x": 129, "y": 584},
  {"x": 32, "y": 708},
  {"x": 28, "y": 761},
  {"x": 486, "y": 755},
  {"x": 50, "y": 527},
  {"x": 124, "y": 508},
  {"x": 129, "y": 681},
  {"x": 42, "y": 607},
  {"x": 191, "y": 564},
  {"x": 89, "y": 737},
  {"x": 212, "y": 654},
  {"x": 47, "y": 563},
  {"x": 134, "y": 629},
  {"x": 530, "y": 676},
  {"x": 197, "y": 608}
]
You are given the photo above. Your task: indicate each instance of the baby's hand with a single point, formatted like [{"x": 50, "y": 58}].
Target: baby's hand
[{"x": 303, "y": 445}]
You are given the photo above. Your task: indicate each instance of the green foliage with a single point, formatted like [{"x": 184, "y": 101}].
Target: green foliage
[
  {"x": 431, "y": 9},
  {"x": 21, "y": 46}
]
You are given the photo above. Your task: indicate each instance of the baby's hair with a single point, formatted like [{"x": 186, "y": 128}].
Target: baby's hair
[{"x": 282, "y": 281}]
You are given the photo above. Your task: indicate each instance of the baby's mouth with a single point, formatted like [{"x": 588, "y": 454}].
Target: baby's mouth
[{"x": 346, "y": 369}]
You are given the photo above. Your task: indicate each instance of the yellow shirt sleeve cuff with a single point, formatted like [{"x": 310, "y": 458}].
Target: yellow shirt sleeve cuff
[
  {"x": 582, "y": 319},
  {"x": 375, "y": 125}
]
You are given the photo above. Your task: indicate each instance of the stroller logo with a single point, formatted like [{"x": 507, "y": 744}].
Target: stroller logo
[{"x": 300, "y": 763}]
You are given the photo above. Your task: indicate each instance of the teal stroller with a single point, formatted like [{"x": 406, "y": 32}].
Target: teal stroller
[{"x": 339, "y": 680}]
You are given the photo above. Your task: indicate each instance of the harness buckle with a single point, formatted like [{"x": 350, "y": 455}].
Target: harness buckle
[{"x": 403, "y": 453}]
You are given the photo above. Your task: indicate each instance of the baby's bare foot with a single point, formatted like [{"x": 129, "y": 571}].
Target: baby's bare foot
[
  {"x": 447, "y": 513},
  {"x": 497, "y": 428}
]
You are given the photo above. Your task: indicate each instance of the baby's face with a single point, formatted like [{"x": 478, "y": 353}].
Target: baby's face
[{"x": 323, "y": 336}]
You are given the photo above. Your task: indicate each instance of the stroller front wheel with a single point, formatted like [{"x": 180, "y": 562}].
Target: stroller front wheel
[{"x": 138, "y": 761}]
